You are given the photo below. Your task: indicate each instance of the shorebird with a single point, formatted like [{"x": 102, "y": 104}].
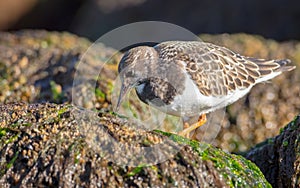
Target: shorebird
[{"x": 190, "y": 79}]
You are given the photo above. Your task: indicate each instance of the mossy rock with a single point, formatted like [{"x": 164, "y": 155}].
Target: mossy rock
[
  {"x": 47, "y": 145},
  {"x": 279, "y": 157}
]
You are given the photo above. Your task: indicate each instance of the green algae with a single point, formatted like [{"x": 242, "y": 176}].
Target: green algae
[
  {"x": 3, "y": 132},
  {"x": 235, "y": 169},
  {"x": 285, "y": 143},
  {"x": 9, "y": 164},
  {"x": 57, "y": 94},
  {"x": 12, "y": 161},
  {"x": 136, "y": 170},
  {"x": 100, "y": 93}
]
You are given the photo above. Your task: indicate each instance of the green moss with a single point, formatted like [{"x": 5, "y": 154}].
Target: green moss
[
  {"x": 294, "y": 123},
  {"x": 154, "y": 168},
  {"x": 171, "y": 180},
  {"x": 174, "y": 137},
  {"x": 270, "y": 140},
  {"x": 12, "y": 161},
  {"x": 63, "y": 110},
  {"x": 57, "y": 95},
  {"x": 110, "y": 167},
  {"x": 281, "y": 130},
  {"x": 76, "y": 148},
  {"x": 3, "y": 132},
  {"x": 110, "y": 87},
  {"x": 99, "y": 93},
  {"x": 12, "y": 139},
  {"x": 118, "y": 115},
  {"x": 285, "y": 143},
  {"x": 135, "y": 170},
  {"x": 146, "y": 142},
  {"x": 4, "y": 167},
  {"x": 19, "y": 123},
  {"x": 76, "y": 157},
  {"x": 14, "y": 125},
  {"x": 8, "y": 135},
  {"x": 27, "y": 124},
  {"x": 236, "y": 170}
]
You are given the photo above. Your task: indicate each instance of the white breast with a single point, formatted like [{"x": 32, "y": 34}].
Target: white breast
[{"x": 192, "y": 102}]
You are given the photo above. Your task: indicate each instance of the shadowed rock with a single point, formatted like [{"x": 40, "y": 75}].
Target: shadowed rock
[{"x": 279, "y": 157}]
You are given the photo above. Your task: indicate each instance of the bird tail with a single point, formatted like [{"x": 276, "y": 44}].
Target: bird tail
[
  {"x": 282, "y": 63},
  {"x": 269, "y": 69},
  {"x": 268, "y": 66}
]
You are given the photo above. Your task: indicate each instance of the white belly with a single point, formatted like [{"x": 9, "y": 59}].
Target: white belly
[{"x": 192, "y": 102}]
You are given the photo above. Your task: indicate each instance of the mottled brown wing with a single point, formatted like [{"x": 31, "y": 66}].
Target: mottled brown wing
[{"x": 216, "y": 70}]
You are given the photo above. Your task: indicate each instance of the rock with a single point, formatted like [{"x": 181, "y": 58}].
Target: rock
[
  {"x": 52, "y": 58},
  {"x": 46, "y": 145},
  {"x": 279, "y": 157}
]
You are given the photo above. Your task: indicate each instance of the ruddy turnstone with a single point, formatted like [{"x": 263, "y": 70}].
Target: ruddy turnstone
[{"x": 190, "y": 78}]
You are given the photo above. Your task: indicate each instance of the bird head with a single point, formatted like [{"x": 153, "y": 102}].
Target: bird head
[{"x": 134, "y": 67}]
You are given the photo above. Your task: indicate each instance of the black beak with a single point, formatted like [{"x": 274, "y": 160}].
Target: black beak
[{"x": 124, "y": 90}]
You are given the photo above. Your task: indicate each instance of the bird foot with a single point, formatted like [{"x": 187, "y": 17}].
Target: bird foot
[{"x": 189, "y": 128}]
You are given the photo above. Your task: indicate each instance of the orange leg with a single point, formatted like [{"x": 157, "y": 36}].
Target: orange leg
[{"x": 187, "y": 129}]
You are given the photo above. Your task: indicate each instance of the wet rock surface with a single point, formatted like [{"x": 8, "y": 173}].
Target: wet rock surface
[
  {"x": 45, "y": 145},
  {"x": 48, "y": 142}
]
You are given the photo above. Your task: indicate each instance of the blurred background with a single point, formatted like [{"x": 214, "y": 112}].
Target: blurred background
[{"x": 276, "y": 19}]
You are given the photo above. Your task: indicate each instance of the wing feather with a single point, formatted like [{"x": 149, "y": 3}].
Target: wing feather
[{"x": 217, "y": 70}]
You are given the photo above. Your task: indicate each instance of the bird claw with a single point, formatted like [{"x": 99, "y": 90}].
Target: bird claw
[{"x": 189, "y": 128}]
